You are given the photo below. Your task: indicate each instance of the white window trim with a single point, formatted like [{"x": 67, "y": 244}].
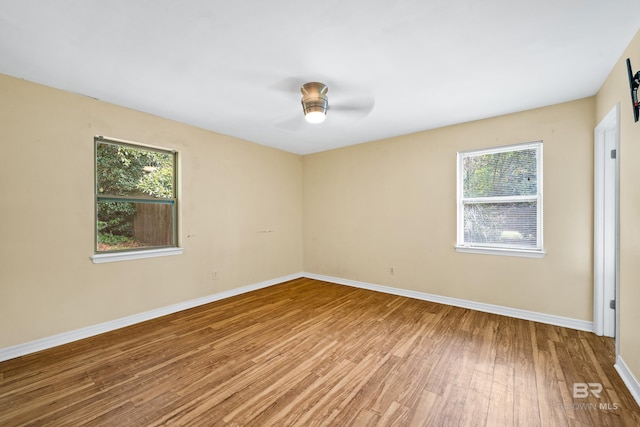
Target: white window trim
[
  {"x": 129, "y": 255},
  {"x": 464, "y": 247},
  {"x": 501, "y": 251}
]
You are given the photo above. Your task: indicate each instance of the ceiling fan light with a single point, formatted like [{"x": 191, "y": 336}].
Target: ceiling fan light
[{"x": 315, "y": 116}]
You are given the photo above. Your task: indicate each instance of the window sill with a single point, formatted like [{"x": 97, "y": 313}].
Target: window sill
[
  {"x": 125, "y": 256},
  {"x": 524, "y": 253}
]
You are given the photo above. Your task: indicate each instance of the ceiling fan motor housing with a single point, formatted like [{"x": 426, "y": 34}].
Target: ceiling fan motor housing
[{"x": 314, "y": 100}]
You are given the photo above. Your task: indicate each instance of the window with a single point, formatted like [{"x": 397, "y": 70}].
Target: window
[
  {"x": 500, "y": 200},
  {"x": 135, "y": 201}
]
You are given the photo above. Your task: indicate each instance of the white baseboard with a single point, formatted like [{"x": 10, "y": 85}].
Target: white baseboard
[
  {"x": 629, "y": 379},
  {"x": 582, "y": 325},
  {"x": 89, "y": 331}
]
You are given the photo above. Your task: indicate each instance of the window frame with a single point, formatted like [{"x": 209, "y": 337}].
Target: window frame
[
  {"x": 492, "y": 248},
  {"x": 148, "y": 251}
]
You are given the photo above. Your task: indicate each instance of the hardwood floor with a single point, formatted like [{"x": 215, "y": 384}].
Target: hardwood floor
[{"x": 306, "y": 353}]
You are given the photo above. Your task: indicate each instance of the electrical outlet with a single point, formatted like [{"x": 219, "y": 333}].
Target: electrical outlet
[
  {"x": 214, "y": 275},
  {"x": 391, "y": 271}
]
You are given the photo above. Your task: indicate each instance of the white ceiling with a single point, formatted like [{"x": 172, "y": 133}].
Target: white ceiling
[{"x": 235, "y": 67}]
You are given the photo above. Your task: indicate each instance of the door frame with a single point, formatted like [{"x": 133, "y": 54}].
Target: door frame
[{"x": 604, "y": 321}]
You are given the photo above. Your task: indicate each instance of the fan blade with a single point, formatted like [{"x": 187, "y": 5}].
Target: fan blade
[
  {"x": 290, "y": 85},
  {"x": 292, "y": 124},
  {"x": 358, "y": 108}
]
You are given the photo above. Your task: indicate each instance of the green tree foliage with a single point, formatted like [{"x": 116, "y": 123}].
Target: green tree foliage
[
  {"x": 128, "y": 172},
  {"x": 511, "y": 173},
  {"x": 157, "y": 182}
]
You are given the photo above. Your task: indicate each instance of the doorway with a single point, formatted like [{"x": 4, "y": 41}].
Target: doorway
[{"x": 606, "y": 225}]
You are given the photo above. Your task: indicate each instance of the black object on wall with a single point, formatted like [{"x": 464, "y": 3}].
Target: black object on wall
[{"x": 634, "y": 83}]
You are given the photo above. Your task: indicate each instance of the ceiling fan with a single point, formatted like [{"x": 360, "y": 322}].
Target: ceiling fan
[{"x": 315, "y": 102}]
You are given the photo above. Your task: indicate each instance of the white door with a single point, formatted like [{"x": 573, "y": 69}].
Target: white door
[{"x": 606, "y": 229}]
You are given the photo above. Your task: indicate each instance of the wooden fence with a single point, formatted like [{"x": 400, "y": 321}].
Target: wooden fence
[{"x": 152, "y": 224}]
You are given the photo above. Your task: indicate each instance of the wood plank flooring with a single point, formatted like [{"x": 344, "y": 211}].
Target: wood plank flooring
[{"x": 310, "y": 353}]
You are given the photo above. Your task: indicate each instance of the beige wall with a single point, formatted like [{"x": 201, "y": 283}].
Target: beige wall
[
  {"x": 231, "y": 192},
  {"x": 392, "y": 203},
  {"x": 616, "y": 90}
]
